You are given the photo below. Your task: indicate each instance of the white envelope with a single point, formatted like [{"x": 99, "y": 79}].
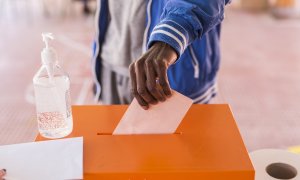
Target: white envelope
[
  {"x": 162, "y": 118},
  {"x": 45, "y": 160}
]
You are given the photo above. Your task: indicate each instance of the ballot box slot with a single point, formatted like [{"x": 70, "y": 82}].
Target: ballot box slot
[{"x": 103, "y": 134}]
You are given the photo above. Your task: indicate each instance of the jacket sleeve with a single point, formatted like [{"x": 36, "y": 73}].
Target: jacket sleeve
[{"x": 183, "y": 21}]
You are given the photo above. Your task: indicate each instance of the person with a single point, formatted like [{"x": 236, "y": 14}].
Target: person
[
  {"x": 2, "y": 173},
  {"x": 145, "y": 48}
]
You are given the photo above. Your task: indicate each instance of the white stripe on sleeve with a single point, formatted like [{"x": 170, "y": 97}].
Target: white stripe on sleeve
[
  {"x": 175, "y": 30},
  {"x": 171, "y": 36}
]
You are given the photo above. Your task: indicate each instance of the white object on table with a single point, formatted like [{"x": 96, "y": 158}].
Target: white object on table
[{"x": 47, "y": 160}]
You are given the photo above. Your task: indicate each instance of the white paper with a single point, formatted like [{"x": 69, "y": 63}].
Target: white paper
[
  {"x": 45, "y": 160},
  {"x": 162, "y": 118}
]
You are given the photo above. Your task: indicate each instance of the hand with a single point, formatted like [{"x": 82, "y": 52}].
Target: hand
[
  {"x": 149, "y": 81},
  {"x": 2, "y": 173}
]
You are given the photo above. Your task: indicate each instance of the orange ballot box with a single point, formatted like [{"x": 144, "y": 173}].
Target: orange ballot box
[{"x": 207, "y": 145}]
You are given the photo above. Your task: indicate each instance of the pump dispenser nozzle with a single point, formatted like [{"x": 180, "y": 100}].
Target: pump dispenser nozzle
[
  {"x": 46, "y": 38},
  {"x": 49, "y": 56}
]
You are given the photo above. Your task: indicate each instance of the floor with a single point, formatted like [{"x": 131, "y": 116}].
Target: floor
[{"x": 259, "y": 75}]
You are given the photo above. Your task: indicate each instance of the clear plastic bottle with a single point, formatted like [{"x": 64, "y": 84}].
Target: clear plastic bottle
[{"x": 52, "y": 96}]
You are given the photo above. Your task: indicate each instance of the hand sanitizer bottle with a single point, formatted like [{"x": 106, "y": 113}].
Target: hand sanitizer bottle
[{"x": 52, "y": 95}]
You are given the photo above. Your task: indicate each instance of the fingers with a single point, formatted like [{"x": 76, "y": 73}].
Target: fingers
[
  {"x": 141, "y": 83},
  {"x": 151, "y": 83},
  {"x": 162, "y": 65},
  {"x": 161, "y": 70},
  {"x": 134, "y": 91},
  {"x": 145, "y": 72},
  {"x": 145, "y": 87}
]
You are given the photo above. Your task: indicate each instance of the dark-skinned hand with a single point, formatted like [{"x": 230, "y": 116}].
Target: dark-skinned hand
[{"x": 149, "y": 81}]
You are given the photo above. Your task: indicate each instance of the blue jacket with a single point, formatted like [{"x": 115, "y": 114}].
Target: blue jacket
[{"x": 192, "y": 28}]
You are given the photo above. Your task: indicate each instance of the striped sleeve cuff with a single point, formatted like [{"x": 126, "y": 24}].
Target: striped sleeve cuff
[{"x": 171, "y": 32}]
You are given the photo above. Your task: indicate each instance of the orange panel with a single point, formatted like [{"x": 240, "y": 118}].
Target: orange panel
[{"x": 207, "y": 145}]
